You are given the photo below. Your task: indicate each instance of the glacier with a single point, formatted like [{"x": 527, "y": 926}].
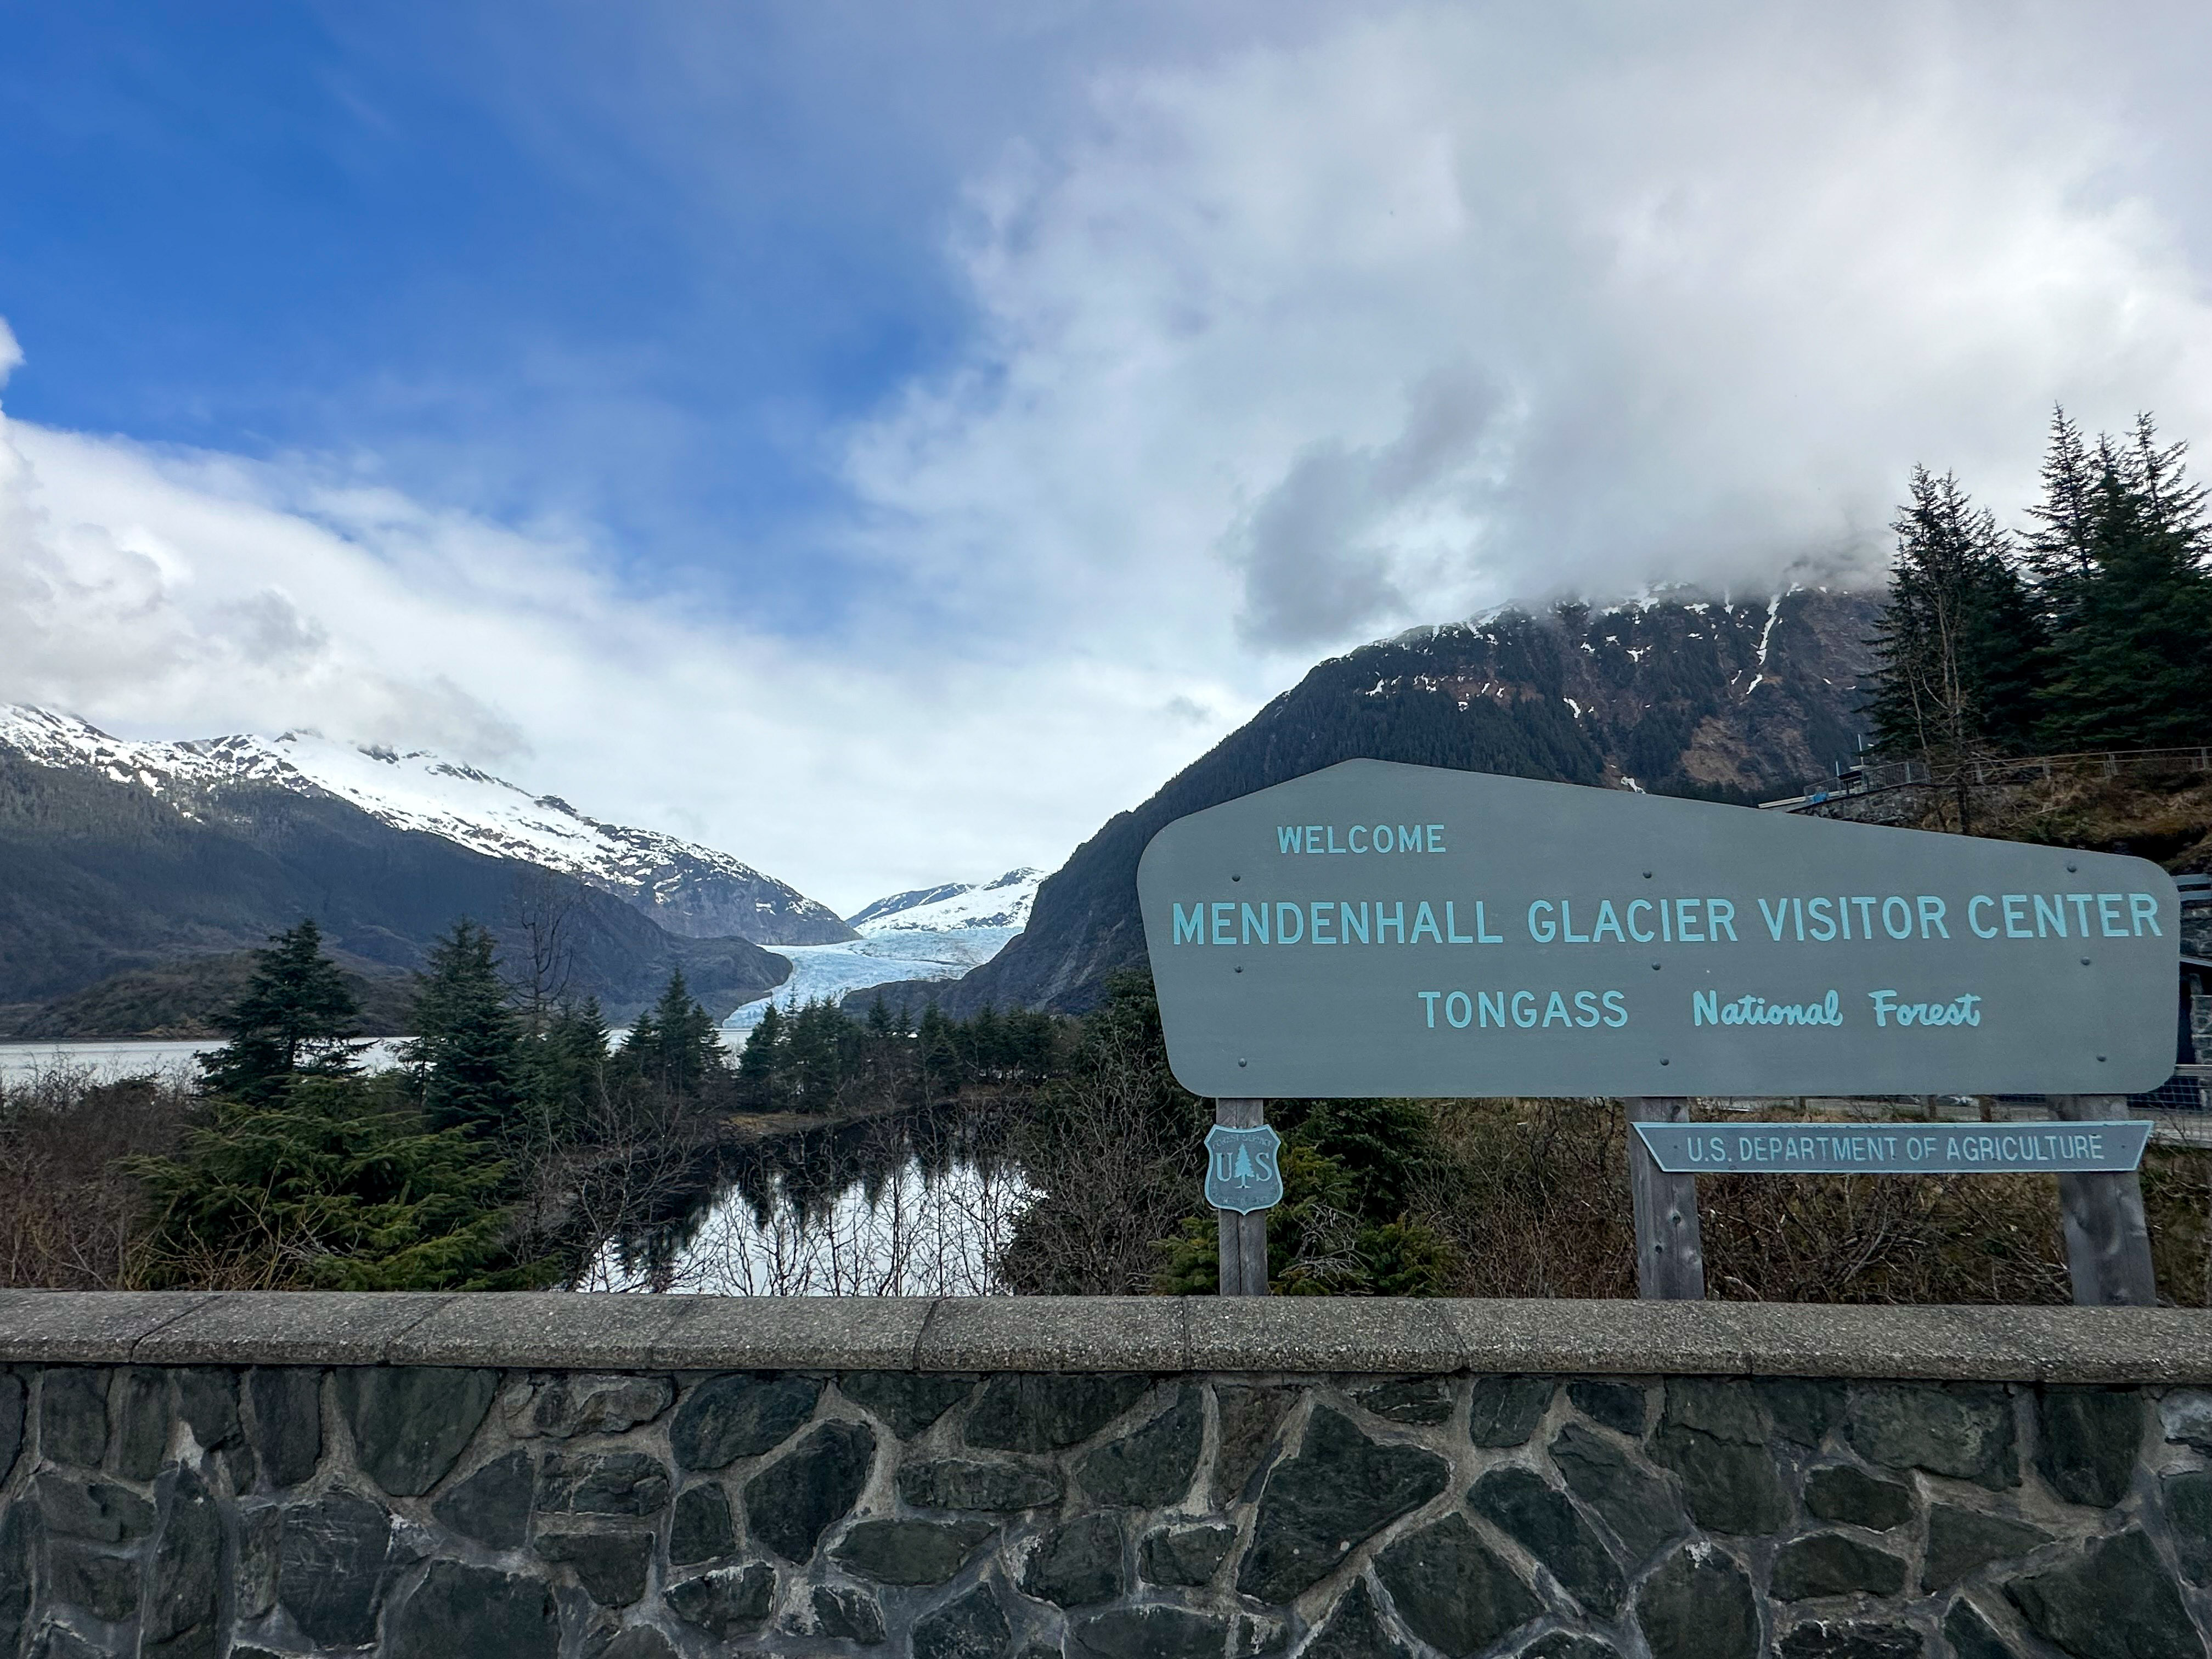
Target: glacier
[{"x": 929, "y": 932}]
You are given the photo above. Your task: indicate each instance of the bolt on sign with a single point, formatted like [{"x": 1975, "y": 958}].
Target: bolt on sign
[{"x": 1376, "y": 929}]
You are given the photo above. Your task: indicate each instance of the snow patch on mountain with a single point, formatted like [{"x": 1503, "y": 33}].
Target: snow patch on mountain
[
  {"x": 956, "y": 906},
  {"x": 686, "y": 888}
]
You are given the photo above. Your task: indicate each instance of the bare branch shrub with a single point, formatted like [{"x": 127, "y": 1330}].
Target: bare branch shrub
[
  {"x": 1117, "y": 1159},
  {"x": 1533, "y": 1195},
  {"x": 67, "y": 1211}
]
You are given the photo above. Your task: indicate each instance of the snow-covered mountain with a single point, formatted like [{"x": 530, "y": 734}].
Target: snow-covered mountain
[
  {"x": 1003, "y": 903},
  {"x": 688, "y": 889}
]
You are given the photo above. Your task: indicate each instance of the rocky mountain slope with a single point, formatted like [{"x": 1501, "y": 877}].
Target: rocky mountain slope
[
  {"x": 686, "y": 888},
  {"x": 105, "y": 876},
  {"x": 1729, "y": 700}
]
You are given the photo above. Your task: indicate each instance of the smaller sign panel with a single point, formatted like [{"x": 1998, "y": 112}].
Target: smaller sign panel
[
  {"x": 1241, "y": 1171},
  {"x": 2035, "y": 1148}
]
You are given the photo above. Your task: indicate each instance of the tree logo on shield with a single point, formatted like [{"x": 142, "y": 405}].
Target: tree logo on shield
[{"x": 1241, "y": 1171}]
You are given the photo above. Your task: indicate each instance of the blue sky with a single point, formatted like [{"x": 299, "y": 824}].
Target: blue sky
[{"x": 884, "y": 442}]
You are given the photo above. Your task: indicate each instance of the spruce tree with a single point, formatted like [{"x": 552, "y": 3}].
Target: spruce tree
[
  {"x": 675, "y": 1045},
  {"x": 814, "y": 1055},
  {"x": 1958, "y": 650},
  {"x": 762, "y": 1060},
  {"x": 2132, "y": 614},
  {"x": 466, "y": 1057},
  {"x": 292, "y": 1020}
]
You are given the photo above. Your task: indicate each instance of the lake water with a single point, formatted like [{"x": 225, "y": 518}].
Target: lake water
[
  {"x": 106, "y": 1062},
  {"x": 922, "y": 1204}
]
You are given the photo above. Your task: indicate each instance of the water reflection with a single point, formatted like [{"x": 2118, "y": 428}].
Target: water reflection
[{"x": 921, "y": 1204}]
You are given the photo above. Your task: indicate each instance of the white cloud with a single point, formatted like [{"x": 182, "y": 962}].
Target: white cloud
[
  {"x": 1463, "y": 304},
  {"x": 173, "y": 593}
]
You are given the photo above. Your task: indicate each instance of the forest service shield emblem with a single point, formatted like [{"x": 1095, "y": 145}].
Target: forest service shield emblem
[{"x": 1241, "y": 1170}]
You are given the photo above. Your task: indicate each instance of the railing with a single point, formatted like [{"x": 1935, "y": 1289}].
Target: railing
[{"x": 1873, "y": 777}]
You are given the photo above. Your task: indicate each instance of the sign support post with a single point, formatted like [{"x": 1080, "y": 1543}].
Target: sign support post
[
  {"x": 1670, "y": 1255},
  {"x": 2107, "y": 1241},
  {"x": 1243, "y": 1234}
]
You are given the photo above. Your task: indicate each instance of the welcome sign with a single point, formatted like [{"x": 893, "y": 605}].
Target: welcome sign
[{"x": 1376, "y": 929}]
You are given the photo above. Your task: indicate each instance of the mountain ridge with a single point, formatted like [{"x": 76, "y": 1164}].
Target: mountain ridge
[
  {"x": 1678, "y": 694},
  {"x": 687, "y": 889},
  {"x": 107, "y": 876}
]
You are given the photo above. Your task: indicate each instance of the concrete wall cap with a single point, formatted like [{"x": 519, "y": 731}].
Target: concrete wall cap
[{"x": 1287, "y": 1335}]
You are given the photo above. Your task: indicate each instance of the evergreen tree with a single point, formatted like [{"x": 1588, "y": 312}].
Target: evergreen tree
[
  {"x": 466, "y": 1057},
  {"x": 2124, "y": 580},
  {"x": 675, "y": 1045},
  {"x": 940, "y": 1053},
  {"x": 292, "y": 1020},
  {"x": 758, "y": 1065},
  {"x": 815, "y": 1055},
  {"x": 2060, "y": 552},
  {"x": 335, "y": 1187},
  {"x": 564, "y": 1069},
  {"x": 1959, "y": 648}
]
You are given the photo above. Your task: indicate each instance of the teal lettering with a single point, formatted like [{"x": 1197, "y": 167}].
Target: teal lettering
[
  {"x": 1567, "y": 925},
  {"x": 1452, "y": 935},
  {"x": 1556, "y": 1009},
  {"x": 1775, "y": 916},
  {"x": 1355, "y": 921},
  {"x": 1287, "y": 916},
  {"x": 1286, "y": 838},
  {"x": 1823, "y": 918},
  {"x": 1526, "y": 1019},
  {"x": 1719, "y": 914},
  {"x": 1224, "y": 918},
  {"x": 1324, "y": 915},
  {"x": 1606, "y": 921},
  {"x": 1543, "y": 931},
  {"x": 1254, "y": 924},
  {"x": 1396, "y": 919},
  {"x": 1634, "y": 905},
  {"x": 1704, "y": 1007},
  {"x": 2050, "y": 915},
  {"x": 1616, "y": 1011},
  {"x": 1190, "y": 929},
  {"x": 1931, "y": 916},
  {"x": 1493, "y": 1006},
  {"x": 2142, "y": 908},
  {"x": 1586, "y": 1008},
  {"x": 1480, "y": 936},
  {"x": 1425, "y": 918},
  {"x": 2108, "y": 914}
]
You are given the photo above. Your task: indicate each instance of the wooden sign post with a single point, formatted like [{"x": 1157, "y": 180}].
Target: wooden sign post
[
  {"x": 1244, "y": 1231},
  {"x": 2107, "y": 1241},
  {"x": 1670, "y": 1252}
]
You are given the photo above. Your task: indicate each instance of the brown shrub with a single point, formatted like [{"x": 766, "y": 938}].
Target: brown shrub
[
  {"x": 68, "y": 1212},
  {"x": 1533, "y": 1195}
]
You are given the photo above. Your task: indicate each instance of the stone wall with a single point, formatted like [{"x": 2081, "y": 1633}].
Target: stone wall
[{"x": 423, "y": 1477}]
